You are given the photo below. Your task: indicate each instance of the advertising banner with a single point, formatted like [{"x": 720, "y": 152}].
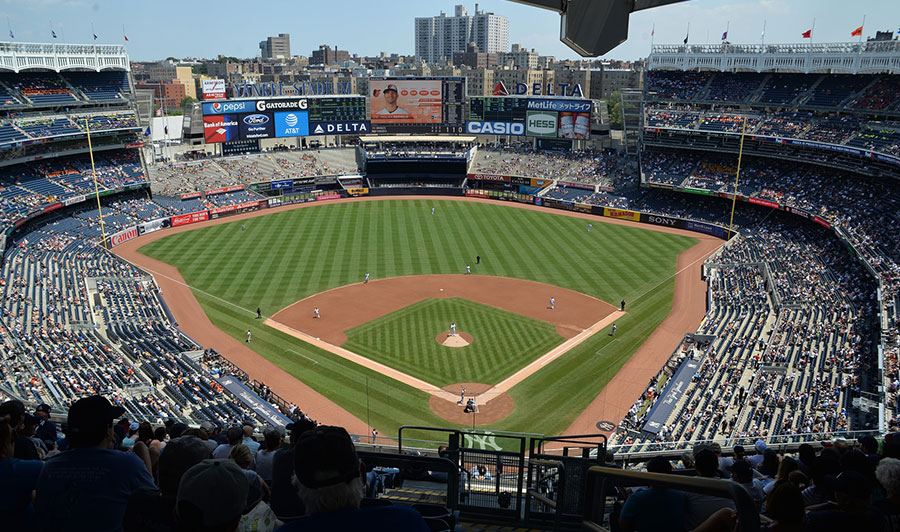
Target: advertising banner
[
  {"x": 237, "y": 106},
  {"x": 758, "y": 201},
  {"x": 700, "y": 191},
  {"x": 400, "y": 101},
  {"x": 665, "y": 221},
  {"x": 358, "y": 191},
  {"x": 620, "y": 214},
  {"x": 340, "y": 128},
  {"x": 477, "y": 195},
  {"x": 220, "y": 128},
  {"x": 800, "y": 212},
  {"x": 565, "y": 106},
  {"x": 233, "y": 188},
  {"x": 574, "y": 126},
  {"x": 709, "y": 229},
  {"x": 190, "y": 195},
  {"x": 675, "y": 388},
  {"x": 123, "y": 236},
  {"x": 822, "y": 222},
  {"x": 541, "y": 183},
  {"x": 541, "y": 124},
  {"x": 213, "y": 89},
  {"x": 292, "y": 104},
  {"x": 73, "y": 200},
  {"x": 257, "y": 126},
  {"x": 517, "y": 180},
  {"x": 282, "y": 184},
  {"x": 581, "y": 186},
  {"x": 190, "y": 218},
  {"x": 496, "y": 128},
  {"x": 328, "y": 197},
  {"x": 231, "y": 208},
  {"x": 135, "y": 145},
  {"x": 52, "y": 207},
  {"x": 152, "y": 225},
  {"x": 488, "y": 177},
  {"x": 291, "y": 124},
  {"x": 238, "y": 147}
]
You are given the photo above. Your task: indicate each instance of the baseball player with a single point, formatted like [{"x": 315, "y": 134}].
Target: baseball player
[
  {"x": 589, "y": 227},
  {"x": 249, "y": 335},
  {"x": 613, "y": 333},
  {"x": 468, "y": 269},
  {"x": 258, "y": 313},
  {"x": 243, "y": 227},
  {"x": 623, "y": 305},
  {"x": 453, "y": 329},
  {"x": 374, "y": 435},
  {"x": 552, "y": 303},
  {"x": 316, "y": 310},
  {"x": 367, "y": 278},
  {"x": 462, "y": 397},
  {"x": 432, "y": 211}
]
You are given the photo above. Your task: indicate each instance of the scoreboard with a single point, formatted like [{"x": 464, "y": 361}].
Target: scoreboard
[
  {"x": 418, "y": 105},
  {"x": 337, "y": 109},
  {"x": 545, "y": 117},
  {"x": 241, "y": 120},
  {"x": 498, "y": 109}
]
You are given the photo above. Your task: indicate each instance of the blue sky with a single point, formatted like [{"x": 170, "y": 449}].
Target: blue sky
[{"x": 160, "y": 28}]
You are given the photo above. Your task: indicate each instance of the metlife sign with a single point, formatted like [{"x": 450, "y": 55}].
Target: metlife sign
[
  {"x": 340, "y": 128},
  {"x": 566, "y": 106},
  {"x": 496, "y": 128},
  {"x": 293, "y": 124},
  {"x": 540, "y": 124}
]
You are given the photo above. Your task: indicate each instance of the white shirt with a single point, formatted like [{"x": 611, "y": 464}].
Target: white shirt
[{"x": 397, "y": 111}]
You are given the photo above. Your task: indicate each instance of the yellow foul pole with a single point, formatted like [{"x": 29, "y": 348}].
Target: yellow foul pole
[
  {"x": 87, "y": 127},
  {"x": 737, "y": 176}
]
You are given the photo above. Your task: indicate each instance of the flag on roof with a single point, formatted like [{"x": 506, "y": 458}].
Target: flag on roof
[
  {"x": 11, "y": 36},
  {"x": 53, "y": 33},
  {"x": 95, "y": 36},
  {"x": 147, "y": 132},
  {"x": 857, "y": 32},
  {"x": 807, "y": 34},
  {"x": 724, "y": 35}
]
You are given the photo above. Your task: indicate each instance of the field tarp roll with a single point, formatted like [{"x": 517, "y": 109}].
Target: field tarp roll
[{"x": 255, "y": 402}]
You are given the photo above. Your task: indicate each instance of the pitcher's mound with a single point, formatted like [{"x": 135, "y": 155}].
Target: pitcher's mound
[{"x": 460, "y": 340}]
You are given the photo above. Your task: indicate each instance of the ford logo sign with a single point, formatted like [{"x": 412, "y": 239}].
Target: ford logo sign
[{"x": 256, "y": 120}]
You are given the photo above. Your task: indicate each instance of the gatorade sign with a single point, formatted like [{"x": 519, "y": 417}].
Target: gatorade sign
[{"x": 540, "y": 124}]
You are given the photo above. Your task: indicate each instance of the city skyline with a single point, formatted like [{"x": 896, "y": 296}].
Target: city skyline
[{"x": 374, "y": 29}]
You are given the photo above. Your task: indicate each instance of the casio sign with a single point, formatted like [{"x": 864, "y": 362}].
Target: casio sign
[
  {"x": 496, "y": 128},
  {"x": 256, "y": 120}
]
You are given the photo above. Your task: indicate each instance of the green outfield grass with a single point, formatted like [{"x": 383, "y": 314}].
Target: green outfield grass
[
  {"x": 286, "y": 256},
  {"x": 503, "y": 341}
]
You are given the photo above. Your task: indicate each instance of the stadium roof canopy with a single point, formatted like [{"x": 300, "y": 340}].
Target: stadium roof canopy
[
  {"x": 417, "y": 138},
  {"x": 19, "y": 56}
]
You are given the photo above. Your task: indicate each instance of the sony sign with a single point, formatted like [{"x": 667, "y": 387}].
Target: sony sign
[
  {"x": 659, "y": 220},
  {"x": 496, "y": 128}
]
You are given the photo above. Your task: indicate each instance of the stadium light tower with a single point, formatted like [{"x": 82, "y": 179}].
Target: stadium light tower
[{"x": 594, "y": 27}]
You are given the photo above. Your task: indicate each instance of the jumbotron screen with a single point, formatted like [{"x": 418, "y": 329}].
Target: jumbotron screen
[
  {"x": 232, "y": 120},
  {"x": 531, "y": 116},
  {"x": 422, "y": 105}
]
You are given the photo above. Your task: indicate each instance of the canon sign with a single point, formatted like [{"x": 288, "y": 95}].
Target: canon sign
[
  {"x": 123, "y": 236},
  {"x": 496, "y": 128}
]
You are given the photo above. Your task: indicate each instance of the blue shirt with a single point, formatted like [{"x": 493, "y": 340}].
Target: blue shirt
[
  {"x": 17, "y": 479},
  {"x": 655, "y": 509},
  {"x": 374, "y": 519},
  {"x": 88, "y": 489}
]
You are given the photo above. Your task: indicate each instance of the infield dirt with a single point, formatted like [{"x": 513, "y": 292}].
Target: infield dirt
[{"x": 612, "y": 403}]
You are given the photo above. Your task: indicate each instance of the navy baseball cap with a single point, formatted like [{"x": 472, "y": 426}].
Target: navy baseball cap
[
  {"x": 390, "y": 87},
  {"x": 325, "y": 456},
  {"x": 91, "y": 413}
]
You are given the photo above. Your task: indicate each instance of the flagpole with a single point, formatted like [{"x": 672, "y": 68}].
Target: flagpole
[
  {"x": 762, "y": 37},
  {"x": 87, "y": 127},
  {"x": 737, "y": 176},
  {"x": 862, "y": 28}
]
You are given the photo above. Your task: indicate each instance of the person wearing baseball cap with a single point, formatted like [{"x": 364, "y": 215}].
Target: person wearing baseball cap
[
  {"x": 87, "y": 487},
  {"x": 285, "y": 502},
  {"x": 211, "y": 497},
  {"x": 390, "y": 103},
  {"x": 46, "y": 430},
  {"x": 329, "y": 481}
]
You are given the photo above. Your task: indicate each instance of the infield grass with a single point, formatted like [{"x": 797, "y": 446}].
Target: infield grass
[
  {"x": 286, "y": 256},
  {"x": 503, "y": 341}
]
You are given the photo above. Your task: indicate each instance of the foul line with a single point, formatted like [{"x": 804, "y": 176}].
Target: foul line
[{"x": 301, "y": 354}]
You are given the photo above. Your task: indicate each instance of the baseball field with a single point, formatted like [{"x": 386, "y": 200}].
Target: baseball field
[{"x": 289, "y": 262}]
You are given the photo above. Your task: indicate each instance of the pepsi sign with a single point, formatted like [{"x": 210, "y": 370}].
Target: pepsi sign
[{"x": 239, "y": 106}]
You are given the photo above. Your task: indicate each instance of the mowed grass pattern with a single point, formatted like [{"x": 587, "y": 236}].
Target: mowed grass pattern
[
  {"x": 286, "y": 256},
  {"x": 503, "y": 341}
]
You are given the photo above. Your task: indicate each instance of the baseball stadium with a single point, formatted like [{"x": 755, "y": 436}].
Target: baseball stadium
[{"x": 515, "y": 319}]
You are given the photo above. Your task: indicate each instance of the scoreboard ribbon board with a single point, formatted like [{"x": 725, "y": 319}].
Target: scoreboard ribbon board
[{"x": 558, "y": 118}]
